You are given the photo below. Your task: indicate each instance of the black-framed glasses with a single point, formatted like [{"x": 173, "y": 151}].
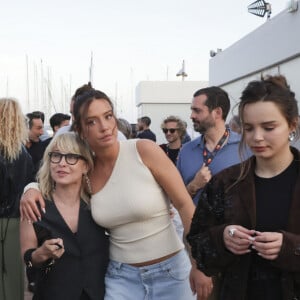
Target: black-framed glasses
[
  {"x": 172, "y": 130},
  {"x": 70, "y": 158}
]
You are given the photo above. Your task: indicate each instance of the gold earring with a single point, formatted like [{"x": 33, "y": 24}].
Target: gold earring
[
  {"x": 53, "y": 186},
  {"x": 88, "y": 183}
]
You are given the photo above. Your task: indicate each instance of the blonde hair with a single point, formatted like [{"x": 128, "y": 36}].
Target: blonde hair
[
  {"x": 13, "y": 129},
  {"x": 68, "y": 142}
]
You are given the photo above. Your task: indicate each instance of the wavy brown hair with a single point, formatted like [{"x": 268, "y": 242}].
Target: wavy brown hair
[{"x": 13, "y": 129}]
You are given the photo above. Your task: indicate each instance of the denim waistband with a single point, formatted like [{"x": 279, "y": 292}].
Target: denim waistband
[{"x": 160, "y": 265}]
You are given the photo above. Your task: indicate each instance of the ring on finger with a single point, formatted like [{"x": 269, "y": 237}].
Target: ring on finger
[
  {"x": 58, "y": 246},
  {"x": 231, "y": 231}
]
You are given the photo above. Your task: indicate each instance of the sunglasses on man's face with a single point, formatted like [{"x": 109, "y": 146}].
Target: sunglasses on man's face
[{"x": 172, "y": 130}]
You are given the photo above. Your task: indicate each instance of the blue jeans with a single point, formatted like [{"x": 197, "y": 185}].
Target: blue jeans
[{"x": 167, "y": 280}]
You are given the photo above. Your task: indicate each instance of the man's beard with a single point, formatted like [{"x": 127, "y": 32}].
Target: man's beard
[
  {"x": 202, "y": 127},
  {"x": 199, "y": 128}
]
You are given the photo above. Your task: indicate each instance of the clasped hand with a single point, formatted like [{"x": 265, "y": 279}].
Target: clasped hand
[
  {"x": 52, "y": 248},
  {"x": 240, "y": 240},
  {"x": 201, "y": 178}
]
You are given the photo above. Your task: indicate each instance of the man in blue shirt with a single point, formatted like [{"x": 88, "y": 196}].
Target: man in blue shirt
[{"x": 216, "y": 149}]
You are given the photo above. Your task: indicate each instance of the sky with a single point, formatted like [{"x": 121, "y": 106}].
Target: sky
[{"x": 46, "y": 46}]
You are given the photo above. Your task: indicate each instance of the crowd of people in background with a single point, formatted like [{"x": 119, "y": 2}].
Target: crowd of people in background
[{"x": 120, "y": 213}]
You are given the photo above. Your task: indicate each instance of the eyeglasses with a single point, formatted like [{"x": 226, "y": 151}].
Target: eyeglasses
[
  {"x": 172, "y": 130},
  {"x": 70, "y": 158}
]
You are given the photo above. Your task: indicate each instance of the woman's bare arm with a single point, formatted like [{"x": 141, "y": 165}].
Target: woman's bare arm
[{"x": 168, "y": 177}]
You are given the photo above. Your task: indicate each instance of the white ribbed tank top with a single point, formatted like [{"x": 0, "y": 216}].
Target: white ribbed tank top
[{"x": 135, "y": 209}]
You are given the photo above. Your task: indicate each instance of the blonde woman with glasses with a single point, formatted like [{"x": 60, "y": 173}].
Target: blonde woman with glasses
[{"x": 69, "y": 250}]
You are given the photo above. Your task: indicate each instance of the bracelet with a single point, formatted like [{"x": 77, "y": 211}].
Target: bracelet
[
  {"x": 47, "y": 265},
  {"x": 28, "y": 257},
  {"x": 28, "y": 260}
]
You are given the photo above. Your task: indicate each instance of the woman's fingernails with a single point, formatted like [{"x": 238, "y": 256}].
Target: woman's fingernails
[{"x": 43, "y": 210}]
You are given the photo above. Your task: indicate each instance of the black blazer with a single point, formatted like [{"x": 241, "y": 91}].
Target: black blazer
[{"x": 83, "y": 265}]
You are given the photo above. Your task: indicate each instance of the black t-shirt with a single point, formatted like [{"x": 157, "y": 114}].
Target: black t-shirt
[
  {"x": 172, "y": 153},
  {"x": 273, "y": 200}
]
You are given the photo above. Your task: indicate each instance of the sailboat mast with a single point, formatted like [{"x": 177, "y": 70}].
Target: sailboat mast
[
  {"x": 7, "y": 87},
  {"x": 91, "y": 70},
  {"x": 27, "y": 82},
  {"x": 42, "y": 86}
]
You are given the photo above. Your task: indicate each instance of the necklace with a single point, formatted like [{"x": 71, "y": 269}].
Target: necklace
[{"x": 209, "y": 156}]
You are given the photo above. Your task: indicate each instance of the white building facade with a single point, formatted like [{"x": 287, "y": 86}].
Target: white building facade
[{"x": 273, "y": 48}]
